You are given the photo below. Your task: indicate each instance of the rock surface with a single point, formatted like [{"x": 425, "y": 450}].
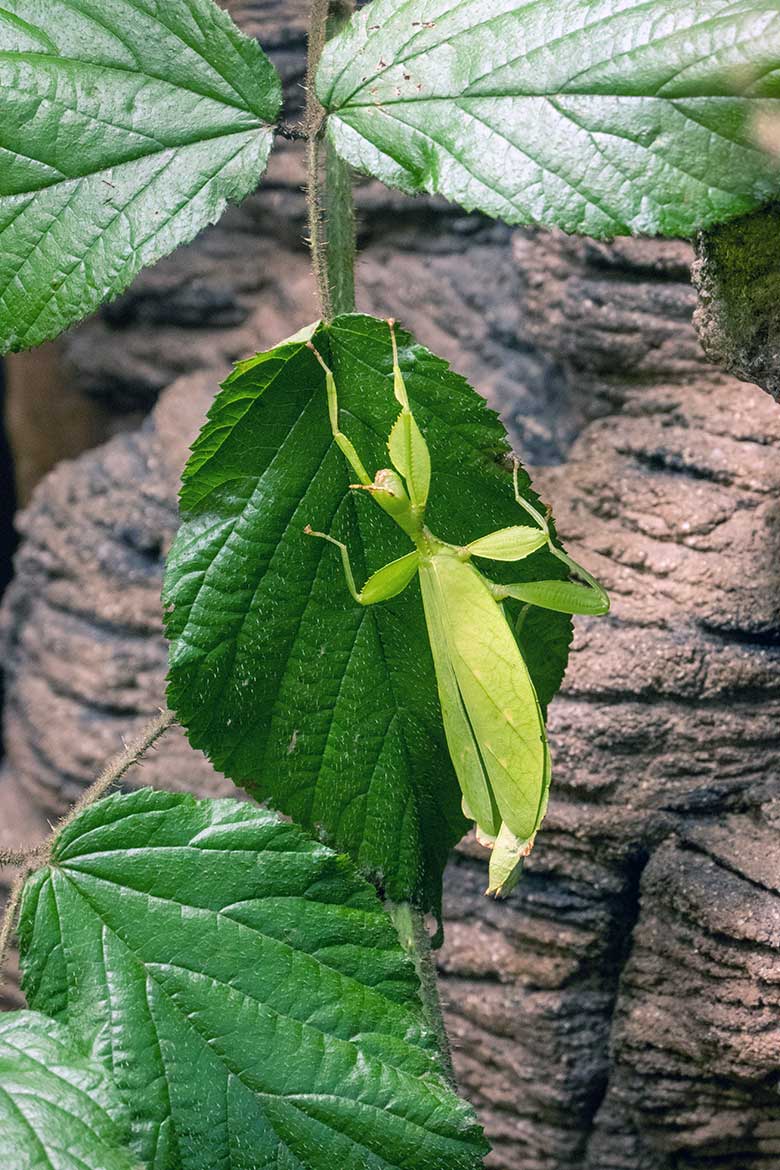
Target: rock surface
[
  {"x": 737, "y": 273},
  {"x": 621, "y": 1013},
  {"x": 622, "y": 1010}
]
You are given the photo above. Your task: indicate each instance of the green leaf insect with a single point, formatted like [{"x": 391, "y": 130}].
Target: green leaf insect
[{"x": 492, "y": 717}]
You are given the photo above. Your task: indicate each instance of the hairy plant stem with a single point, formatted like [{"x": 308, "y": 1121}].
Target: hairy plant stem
[
  {"x": 9, "y": 920},
  {"x": 331, "y": 215},
  {"x": 409, "y": 923},
  {"x": 37, "y": 855},
  {"x": 340, "y": 221},
  {"x": 330, "y": 208},
  {"x": 115, "y": 769},
  {"x": 16, "y": 857}
]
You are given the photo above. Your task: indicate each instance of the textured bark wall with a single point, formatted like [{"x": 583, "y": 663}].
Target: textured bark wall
[{"x": 622, "y": 1010}]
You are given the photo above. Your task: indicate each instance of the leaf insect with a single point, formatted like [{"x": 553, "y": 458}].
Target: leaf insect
[{"x": 492, "y": 718}]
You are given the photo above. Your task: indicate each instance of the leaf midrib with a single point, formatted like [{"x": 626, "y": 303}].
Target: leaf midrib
[
  {"x": 584, "y": 30},
  {"x": 155, "y": 19},
  {"x": 79, "y": 862},
  {"x": 61, "y": 62},
  {"x": 194, "y": 506},
  {"x": 261, "y": 1094},
  {"x": 148, "y": 970},
  {"x": 53, "y": 292},
  {"x": 270, "y": 939},
  {"x": 550, "y": 95},
  {"x": 292, "y": 1098},
  {"x": 50, "y": 1072},
  {"x": 194, "y": 139},
  {"x": 231, "y": 524},
  {"x": 588, "y": 199},
  {"x": 127, "y": 162},
  {"x": 26, "y": 1123},
  {"x": 84, "y": 1122}
]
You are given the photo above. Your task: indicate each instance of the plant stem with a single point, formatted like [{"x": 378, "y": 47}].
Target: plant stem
[
  {"x": 410, "y": 927},
  {"x": 330, "y": 213},
  {"x": 341, "y": 250},
  {"x": 331, "y": 216},
  {"x": 40, "y": 854},
  {"x": 16, "y": 857},
  {"x": 313, "y": 123},
  {"x": 115, "y": 769},
  {"x": 9, "y": 921}
]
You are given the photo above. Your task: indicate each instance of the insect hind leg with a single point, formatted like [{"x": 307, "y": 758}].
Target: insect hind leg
[
  {"x": 528, "y": 507},
  {"x": 583, "y": 595}
]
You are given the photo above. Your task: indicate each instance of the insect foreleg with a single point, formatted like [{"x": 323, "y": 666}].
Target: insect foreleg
[
  {"x": 385, "y": 583},
  {"x": 342, "y": 442}
]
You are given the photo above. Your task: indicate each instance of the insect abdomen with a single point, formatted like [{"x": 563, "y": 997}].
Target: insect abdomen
[{"x": 494, "y": 686}]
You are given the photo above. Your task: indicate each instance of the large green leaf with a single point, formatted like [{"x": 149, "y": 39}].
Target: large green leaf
[
  {"x": 58, "y": 1110},
  {"x": 125, "y": 126},
  {"x": 326, "y": 709},
  {"x": 596, "y": 116},
  {"x": 246, "y": 989}
]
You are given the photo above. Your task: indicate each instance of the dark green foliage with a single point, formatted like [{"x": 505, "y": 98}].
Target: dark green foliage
[
  {"x": 329, "y": 710},
  {"x": 245, "y": 988},
  {"x": 126, "y": 127}
]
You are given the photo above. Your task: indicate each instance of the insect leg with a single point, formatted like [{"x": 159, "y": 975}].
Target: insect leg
[
  {"x": 525, "y": 504},
  {"x": 385, "y": 583},
  {"x": 581, "y": 595},
  {"x": 342, "y": 442},
  {"x": 562, "y": 596}
]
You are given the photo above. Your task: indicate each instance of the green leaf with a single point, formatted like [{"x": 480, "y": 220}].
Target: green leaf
[
  {"x": 58, "y": 1110},
  {"x": 125, "y": 126},
  {"x": 597, "y": 116},
  {"x": 329, "y": 710},
  {"x": 245, "y": 987}
]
